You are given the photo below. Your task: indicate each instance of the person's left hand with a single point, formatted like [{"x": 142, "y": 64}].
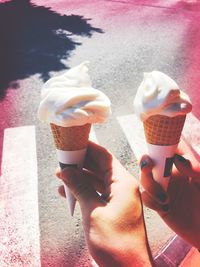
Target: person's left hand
[{"x": 179, "y": 207}]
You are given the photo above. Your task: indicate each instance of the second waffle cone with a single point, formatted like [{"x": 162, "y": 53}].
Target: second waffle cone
[{"x": 163, "y": 130}]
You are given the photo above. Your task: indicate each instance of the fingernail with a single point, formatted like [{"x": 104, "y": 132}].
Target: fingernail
[
  {"x": 162, "y": 197},
  {"x": 181, "y": 159},
  {"x": 143, "y": 164},
  {"x": 165, "y": 208}
]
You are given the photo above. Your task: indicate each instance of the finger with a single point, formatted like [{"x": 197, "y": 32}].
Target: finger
[
  {"x": 186, "y": 168},
  {"x": 58, "y": 172},
  {"x": 80, "y": 188},
  {"x": 146, "y": 164},
  {"x": 94, "y": 180},
  {"x": 61, "y": 191},
  {"x": 98, "y": 159},
  {"x": 97, "y": 184},
  {"x": 149, "y": 184},
  {"x": 121, "y": 185},
  {"x": 152, "y": 204}
]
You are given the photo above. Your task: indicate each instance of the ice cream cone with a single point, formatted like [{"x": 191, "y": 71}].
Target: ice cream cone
[
  {"x": 162, "y": 130},
  {"x": 70, "y": 138},
  {"x": 69, "y": 100},
  {"x": 162, "y": 135},
  {"x": 162, "y": 107},
  {"x": 71, "y": 144}
]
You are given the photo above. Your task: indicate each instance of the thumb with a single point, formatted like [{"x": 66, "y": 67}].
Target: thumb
[
  {"x": 78, "y": 184},
  {"x": 186, "y": 168}
]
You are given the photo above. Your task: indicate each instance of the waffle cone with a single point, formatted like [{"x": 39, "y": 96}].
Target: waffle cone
[
  {"x": 70, "y": 138},
  {"x": 163, "y": 130}
]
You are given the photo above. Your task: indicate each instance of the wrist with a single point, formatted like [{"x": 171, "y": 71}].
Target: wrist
[
  {"x": 135, "y": 253},
  {"x": 131, "y": 252}
]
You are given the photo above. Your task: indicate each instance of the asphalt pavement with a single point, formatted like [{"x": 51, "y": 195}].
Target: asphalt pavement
[{"x": 121, "y": 39}]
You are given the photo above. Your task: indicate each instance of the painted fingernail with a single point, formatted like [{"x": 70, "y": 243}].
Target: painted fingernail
[
  {"x": 181, "y": 159},
  {"x": 162, "y": 197},
  {"x": 165, "y": 208},
  {"x": 143, "y": 164}
]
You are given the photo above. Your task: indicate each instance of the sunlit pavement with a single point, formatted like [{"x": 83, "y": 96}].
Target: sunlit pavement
[{"x": 122, "y": 39}]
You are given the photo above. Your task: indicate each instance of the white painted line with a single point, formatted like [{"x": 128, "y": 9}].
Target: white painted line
[
  {"x": 133, "y": 130},
  {"x": 166, "y": 247},
  {"x": 92, "y": 136},
  {"x": 19, "y": 215},
  {"x": 191, "y": 132}
]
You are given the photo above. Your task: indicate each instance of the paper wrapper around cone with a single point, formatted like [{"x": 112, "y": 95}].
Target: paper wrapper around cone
[
  {"x": 162, "y": 135},
  {"x": 71, "y": 144}
]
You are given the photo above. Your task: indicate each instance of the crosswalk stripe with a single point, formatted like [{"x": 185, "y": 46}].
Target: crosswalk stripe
[
  {"x": 19, "y": 215},
  {"x": 191, "y": 132},
  {"x": 93, "y": 136},
  {"x": 133, "y": 130}
]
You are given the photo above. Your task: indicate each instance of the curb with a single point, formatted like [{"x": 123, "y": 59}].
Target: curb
[{"x": 173, "y": 253}]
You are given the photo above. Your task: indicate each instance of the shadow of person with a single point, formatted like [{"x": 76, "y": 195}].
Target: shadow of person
[{"x": 34, "y": 39}]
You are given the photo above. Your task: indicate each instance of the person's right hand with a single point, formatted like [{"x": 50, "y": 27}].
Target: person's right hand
[
  {"x": 180, "y": 205},
  {"x": 113, "y": 222}
]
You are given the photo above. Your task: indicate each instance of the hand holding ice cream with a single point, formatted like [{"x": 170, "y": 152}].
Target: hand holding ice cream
[
  {"x": 162, "y": 107},
  {"x": 70, "y": 105}
]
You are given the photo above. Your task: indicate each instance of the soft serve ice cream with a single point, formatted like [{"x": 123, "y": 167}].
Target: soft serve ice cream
[
  {"x": 162, "y": 107},
  {"x": 70, "y": 105},
  {"x": 70, "y": 100},
  {"x": 159, "y": 94}
]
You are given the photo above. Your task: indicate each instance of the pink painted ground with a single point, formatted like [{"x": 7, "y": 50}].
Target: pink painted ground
[{"x": 113, "y": 10}]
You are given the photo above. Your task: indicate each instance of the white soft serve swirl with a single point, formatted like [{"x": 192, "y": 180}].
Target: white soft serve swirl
[
  {"x": 159, "y": 94},
  {"x": 70, "y": 100}
]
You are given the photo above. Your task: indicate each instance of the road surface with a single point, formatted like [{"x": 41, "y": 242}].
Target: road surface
[{"x": 121, "y": 39}]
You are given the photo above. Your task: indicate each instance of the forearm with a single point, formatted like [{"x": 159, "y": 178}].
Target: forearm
[
  {"x": 124, "y": 259},
  {"x": 124, "y": 252}
]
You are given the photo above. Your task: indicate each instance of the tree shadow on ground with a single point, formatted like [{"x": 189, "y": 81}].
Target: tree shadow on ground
[{"x": 34, "y": 39}]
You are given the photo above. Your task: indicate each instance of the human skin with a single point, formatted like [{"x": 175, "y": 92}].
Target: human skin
[
  {"x": 113, "y": 222},
  {"x": 179, "y": 207}
]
